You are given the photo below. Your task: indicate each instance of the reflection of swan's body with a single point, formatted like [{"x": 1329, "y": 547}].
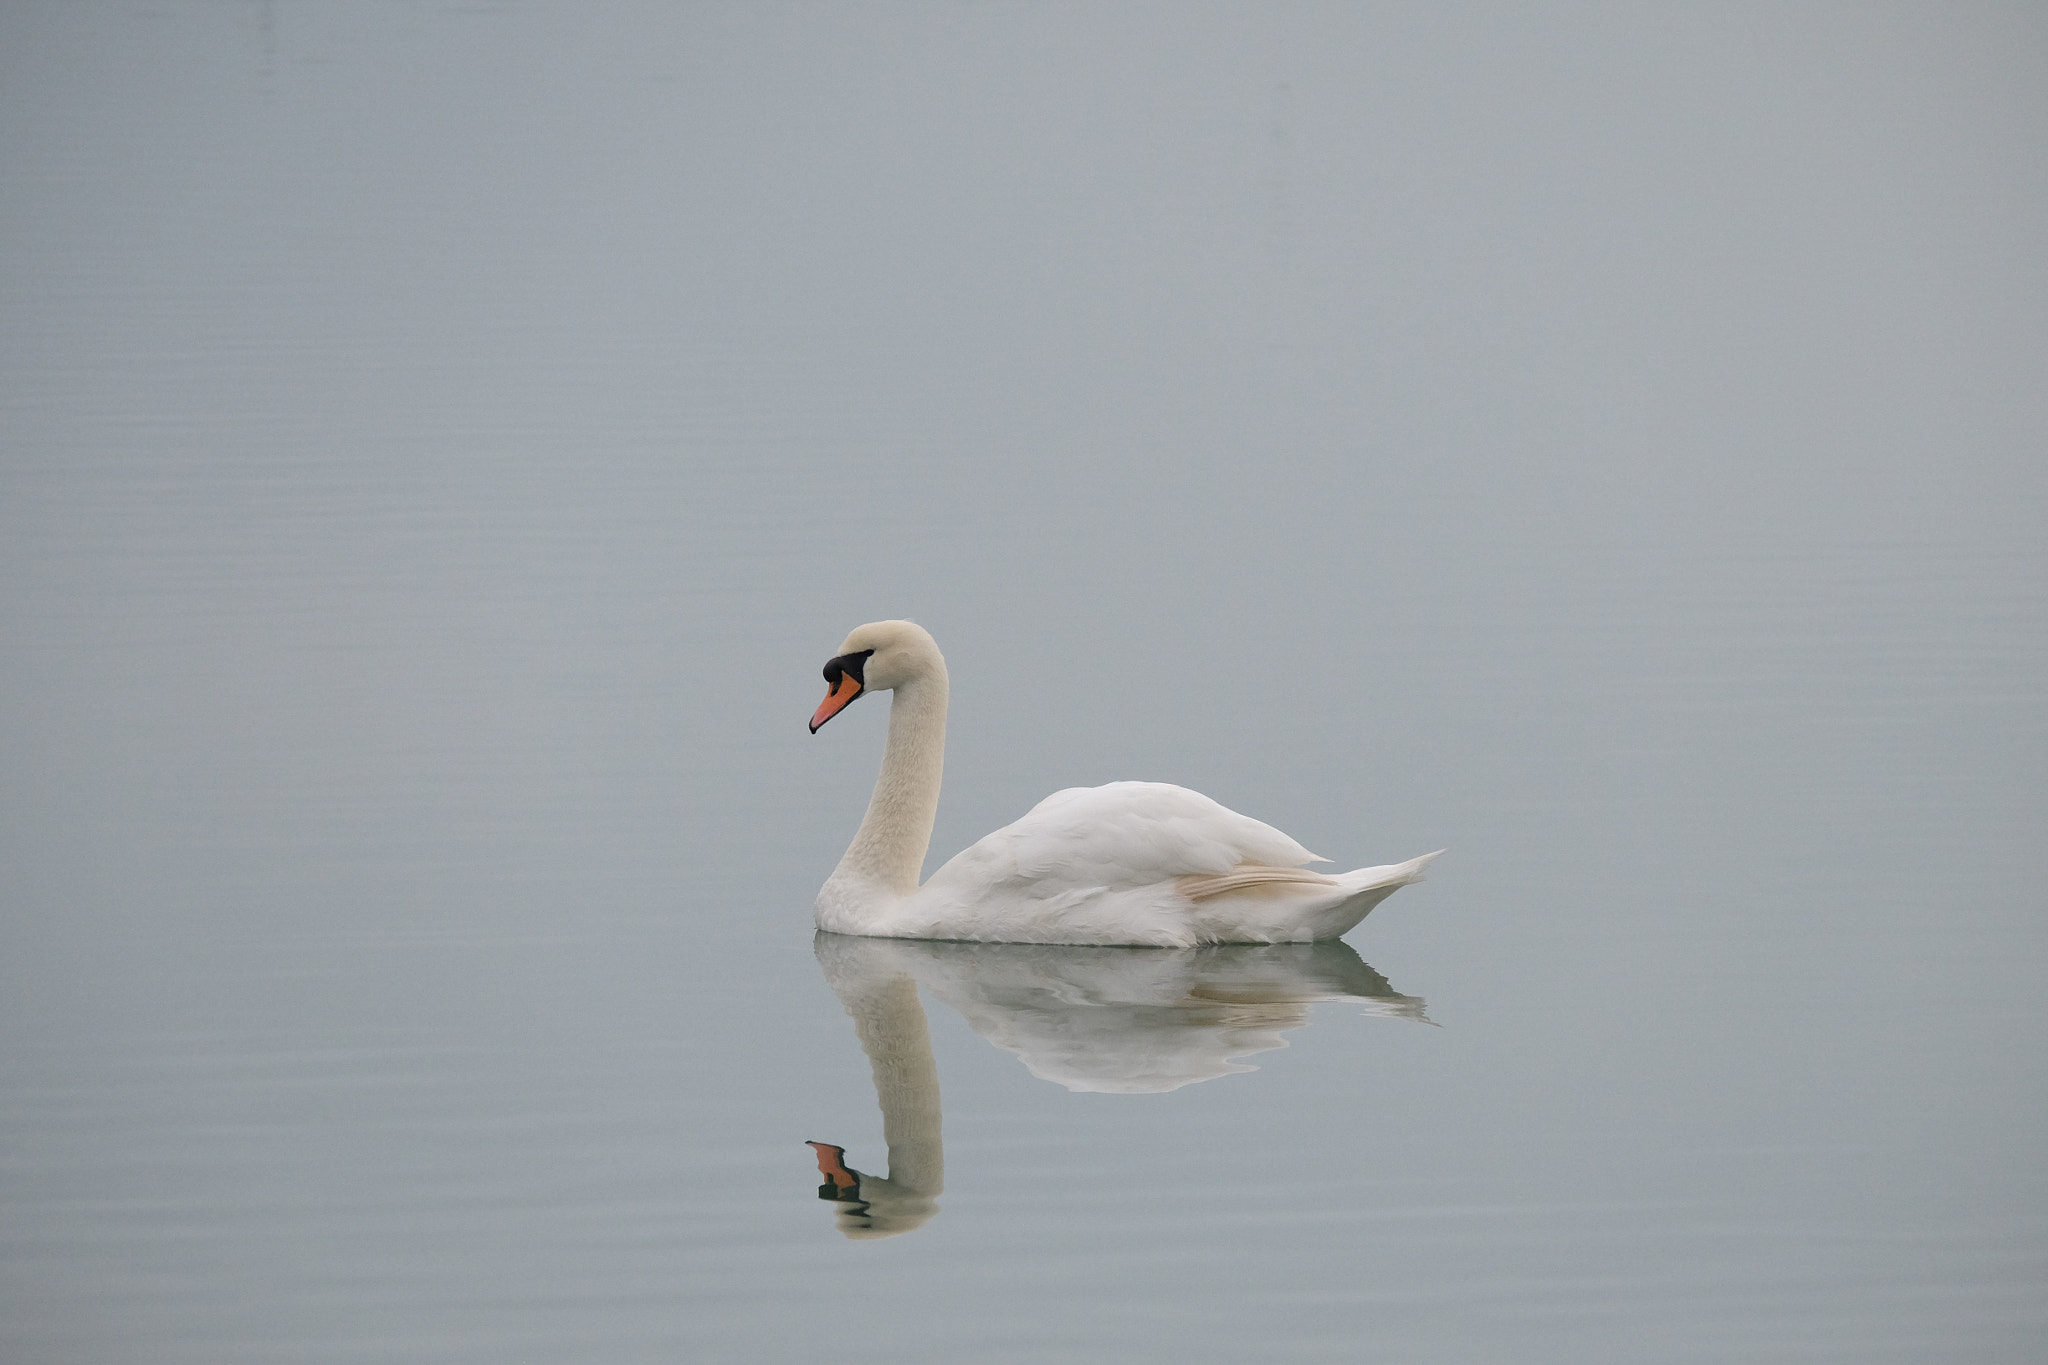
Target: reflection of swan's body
[
  {"x": 1088, "y": 1018},
  {"x": 1128, "y": 863},
  {"x": 1119, "y": 1019}
]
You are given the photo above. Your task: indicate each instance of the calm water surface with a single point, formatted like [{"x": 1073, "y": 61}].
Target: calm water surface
[{"x": 441, "y": 445}]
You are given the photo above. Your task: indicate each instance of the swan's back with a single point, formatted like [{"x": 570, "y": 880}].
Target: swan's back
[
  {"x": 1136, "y": 833},
  {"x": 1114, "y": 864}
]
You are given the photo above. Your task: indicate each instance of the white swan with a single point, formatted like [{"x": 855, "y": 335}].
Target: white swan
[{"x": 1127, "y": 863}]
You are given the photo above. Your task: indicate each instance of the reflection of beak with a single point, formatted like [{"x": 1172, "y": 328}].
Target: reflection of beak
[
  {"x": 840, "y": 1184},
  {"x": 843, "y": 691}
]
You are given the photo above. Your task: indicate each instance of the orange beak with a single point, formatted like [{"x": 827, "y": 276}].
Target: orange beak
[
  {"x": 845, "y": 690},
  {"x": 840, "y": 1183}
]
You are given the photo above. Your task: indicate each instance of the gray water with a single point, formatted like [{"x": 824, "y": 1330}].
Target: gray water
[{"x": 439, "y": 446}]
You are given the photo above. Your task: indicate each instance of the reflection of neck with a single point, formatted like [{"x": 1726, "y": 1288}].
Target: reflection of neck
[
  {"x": 892, "y": 1032},
  {"x": 888, "y": 852}
]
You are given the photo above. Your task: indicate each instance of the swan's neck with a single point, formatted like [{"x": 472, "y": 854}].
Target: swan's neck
[
  {"x": 893, "y": 1033},
  {"x": 886, "y": 858}
]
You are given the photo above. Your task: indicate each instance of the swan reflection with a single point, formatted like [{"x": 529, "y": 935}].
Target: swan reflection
[{"x": 1116, "y": 1020}]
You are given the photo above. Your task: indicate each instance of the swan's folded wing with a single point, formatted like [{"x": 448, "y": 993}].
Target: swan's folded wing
[
  {"x": 1107, "y": 865},
  {"x": 1129, "y": 834},
  {"x": 1201, "y": 886}
]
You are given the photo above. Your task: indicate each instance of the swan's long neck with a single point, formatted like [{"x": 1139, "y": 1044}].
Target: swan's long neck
[
  {"x": 887, "y": 855},
  {"x": 893, "y": 1033}
]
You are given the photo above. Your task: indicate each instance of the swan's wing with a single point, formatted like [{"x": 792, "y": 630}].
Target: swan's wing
[
  {"x": 1093, "y": 865},
  {"x": 1117, "y": 864},
  {"x": 1130, "y": 834}
]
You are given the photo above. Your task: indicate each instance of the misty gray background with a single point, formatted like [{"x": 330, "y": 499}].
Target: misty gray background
[{"x": 439, "y": 446}]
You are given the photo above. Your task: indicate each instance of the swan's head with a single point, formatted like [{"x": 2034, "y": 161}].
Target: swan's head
[
  {"x": 868, "y": 1207},
  {"x": 877, "y": 657}
]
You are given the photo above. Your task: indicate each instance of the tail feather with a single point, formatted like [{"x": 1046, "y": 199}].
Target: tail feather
[{"x": 1390, "y": 877}]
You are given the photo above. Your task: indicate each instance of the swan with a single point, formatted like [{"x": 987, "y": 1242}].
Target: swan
[{"x": 1133, "y": 863}]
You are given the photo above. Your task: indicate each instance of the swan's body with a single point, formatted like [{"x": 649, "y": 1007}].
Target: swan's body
[
  {"x": 1100, "y": 1019},
  {"x": 1128, "y": 863}
]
